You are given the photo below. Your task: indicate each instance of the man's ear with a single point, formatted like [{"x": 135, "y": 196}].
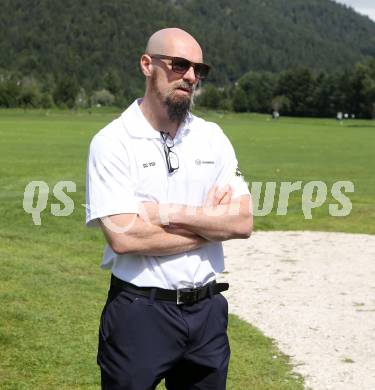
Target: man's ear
[{"x": 146, "y": 65}]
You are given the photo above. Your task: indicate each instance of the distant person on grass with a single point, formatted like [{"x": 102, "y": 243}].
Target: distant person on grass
[{"x": 165, "y": 188}]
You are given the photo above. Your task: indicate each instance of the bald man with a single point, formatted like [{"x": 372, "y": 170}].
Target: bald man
[{"x": 165, "y": 188}]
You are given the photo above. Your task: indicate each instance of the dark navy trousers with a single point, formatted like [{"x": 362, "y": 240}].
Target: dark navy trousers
[{"x": 142, "y": 341}]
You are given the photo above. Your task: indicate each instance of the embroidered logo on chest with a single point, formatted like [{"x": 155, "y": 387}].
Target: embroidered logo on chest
[
  {"x": 200, "y": 162},
  {"x": 149, "y": 164}
]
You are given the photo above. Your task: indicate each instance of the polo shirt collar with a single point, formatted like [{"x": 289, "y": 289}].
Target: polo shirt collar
[{"x": 139, "y": 127}]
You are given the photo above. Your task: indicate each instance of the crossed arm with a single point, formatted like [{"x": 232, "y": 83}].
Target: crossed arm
[{"x": 170, "y": 229}]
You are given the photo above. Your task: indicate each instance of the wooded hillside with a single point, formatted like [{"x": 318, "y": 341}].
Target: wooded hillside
[{"x": 97, "y": 43}]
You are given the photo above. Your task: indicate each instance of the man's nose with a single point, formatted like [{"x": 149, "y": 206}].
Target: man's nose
[{"x": 189, "y": 75}]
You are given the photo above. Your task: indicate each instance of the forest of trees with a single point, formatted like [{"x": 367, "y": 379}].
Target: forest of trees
[
  {"x": 299, "y": 92},
  {"x": 82, "y": 53}
]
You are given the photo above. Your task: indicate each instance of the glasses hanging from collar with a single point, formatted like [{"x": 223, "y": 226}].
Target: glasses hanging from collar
[{"x": 170, "y": 155}]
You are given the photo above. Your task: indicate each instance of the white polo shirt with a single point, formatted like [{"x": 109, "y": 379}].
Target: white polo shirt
[{"x": 127, "y": 165}]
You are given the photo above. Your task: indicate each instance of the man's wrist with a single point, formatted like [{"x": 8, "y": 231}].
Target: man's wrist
[
  {"x": 164, "y": 214},
  {"x": 172, "y": 214},
  {"x": 177, "y": 214}
]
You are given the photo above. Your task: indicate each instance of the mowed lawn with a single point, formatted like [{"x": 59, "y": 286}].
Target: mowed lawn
[{"x": 51, "y": 288}]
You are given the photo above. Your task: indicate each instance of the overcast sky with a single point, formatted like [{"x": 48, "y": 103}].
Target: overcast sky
[{"x": 365, "y": 7}]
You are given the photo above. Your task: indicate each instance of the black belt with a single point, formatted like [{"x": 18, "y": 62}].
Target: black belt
[{"x": 186, "y": 296}]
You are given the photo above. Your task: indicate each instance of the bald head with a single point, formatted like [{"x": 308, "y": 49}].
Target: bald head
[{"x": 174, "y": 42}]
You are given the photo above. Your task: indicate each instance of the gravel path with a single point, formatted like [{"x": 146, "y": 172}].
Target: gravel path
[{"x": 314, "y": 293}]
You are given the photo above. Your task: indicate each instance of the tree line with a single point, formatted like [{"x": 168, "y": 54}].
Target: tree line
[
  {"x": 299, "y": 92},
  {"x": 295, "y": 92},
  {"x": 17, "y": 90}
]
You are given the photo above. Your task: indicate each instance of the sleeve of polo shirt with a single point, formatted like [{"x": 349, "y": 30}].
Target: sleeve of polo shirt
[
  {"x": 109, "y": 187},
  {"x": 229, "y": 172}
]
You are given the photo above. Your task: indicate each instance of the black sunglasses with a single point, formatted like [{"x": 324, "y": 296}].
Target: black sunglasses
[
  {"x": 182, "y": 65},
  {"x": 170, "y": 155}
]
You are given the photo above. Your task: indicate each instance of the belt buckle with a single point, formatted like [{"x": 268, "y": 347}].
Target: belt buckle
[
  {"x": 178, "y": 297},
  {"x": 192, "y": 291}
]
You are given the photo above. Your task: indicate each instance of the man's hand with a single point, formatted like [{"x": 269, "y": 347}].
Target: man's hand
[
  {"x": 220, "y": 218},
  {"x": 216, "y": 196}
]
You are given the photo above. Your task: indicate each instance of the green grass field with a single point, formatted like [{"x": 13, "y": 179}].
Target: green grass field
[{"x": 51, "y": 288}]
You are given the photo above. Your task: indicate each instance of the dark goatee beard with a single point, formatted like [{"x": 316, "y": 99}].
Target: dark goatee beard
[{"x": 178, "y": 109}]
